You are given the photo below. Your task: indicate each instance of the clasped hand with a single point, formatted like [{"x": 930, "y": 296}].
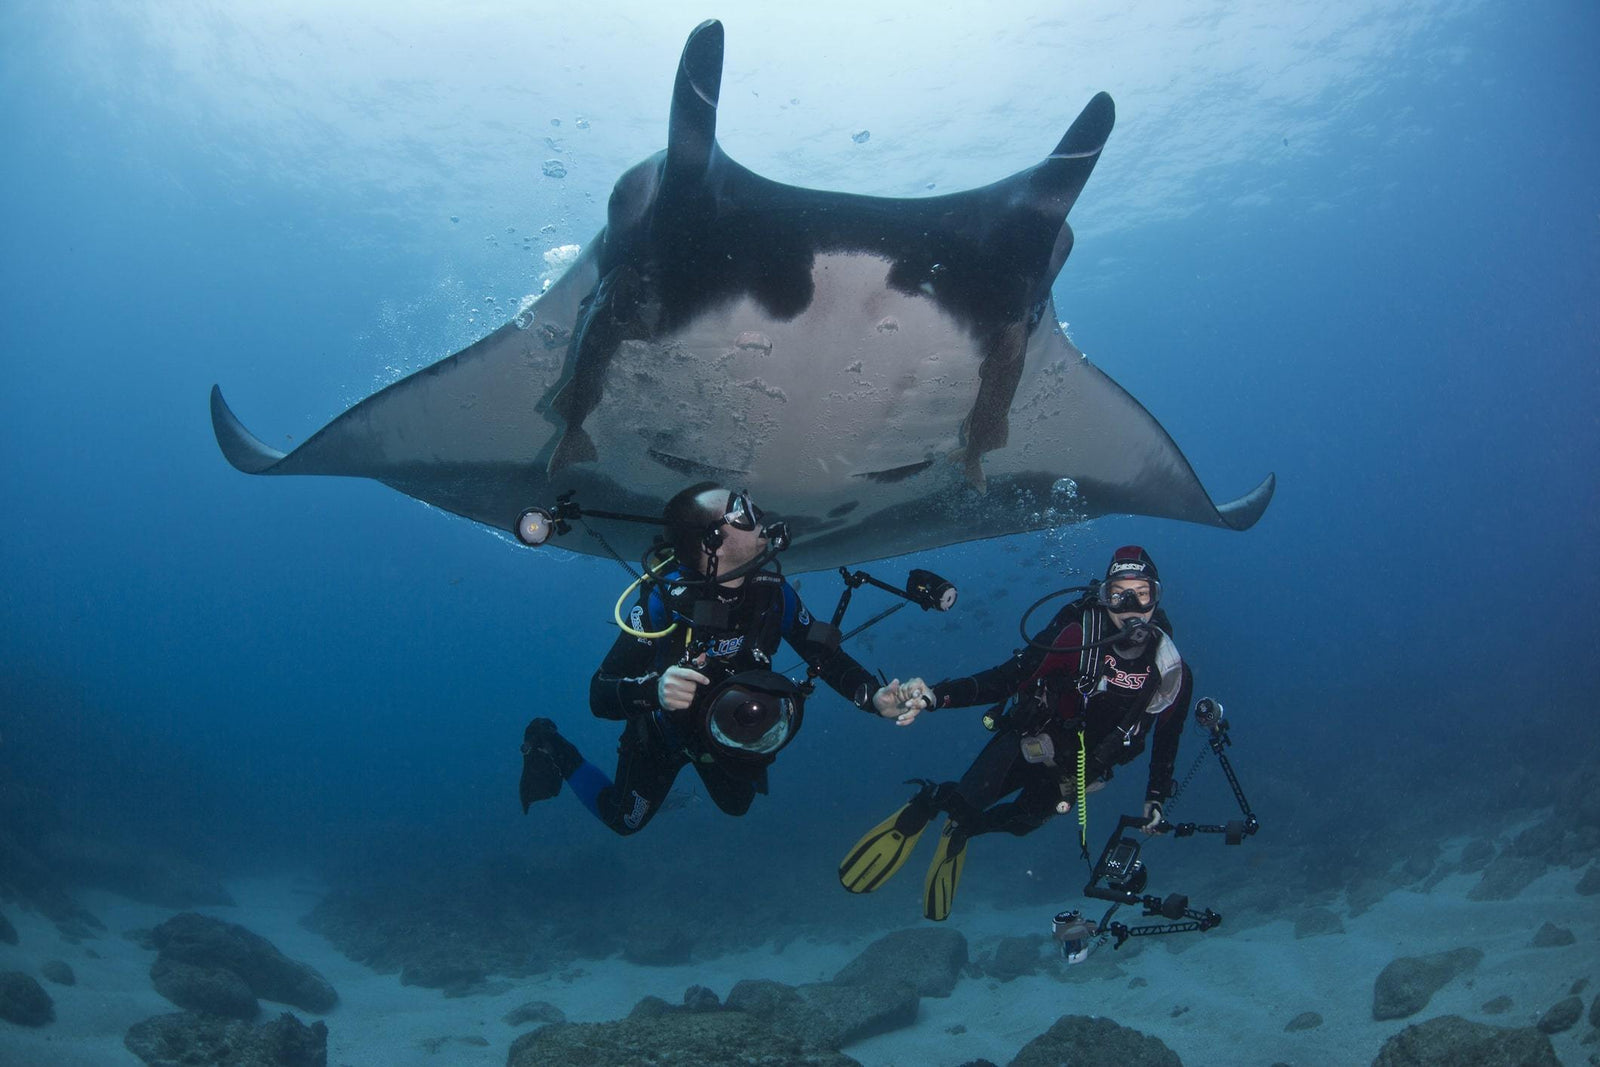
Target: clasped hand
[{"x": 902, "y": 702}]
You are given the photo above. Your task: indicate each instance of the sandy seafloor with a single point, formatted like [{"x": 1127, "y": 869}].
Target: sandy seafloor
[{"x": 1212, "y": 999}]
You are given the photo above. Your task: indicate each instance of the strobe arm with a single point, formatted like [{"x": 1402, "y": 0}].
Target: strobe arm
[
  {"x": 923, "y": 588},
  {"x": 1196, "y": 921},
  {"x": 537, "y": 525},
  {"x": 1234, "y": 830}
]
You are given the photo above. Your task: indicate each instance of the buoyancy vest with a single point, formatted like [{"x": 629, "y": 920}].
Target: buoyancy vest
[
  {"x": 746, "y": 635},
  {"x": 1106, "y": 689}
]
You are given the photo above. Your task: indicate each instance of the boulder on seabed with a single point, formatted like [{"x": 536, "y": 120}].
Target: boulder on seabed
[
  {"x": 1451, "y": 1041},
  {"x": 931, "y": 959},
  {"x": 188, "y": 1037},
  {"x": 1094, "y": 1041},
  {"x": 1405, "y": 986},
  {"x": 23, "y": 1000},
  {"x": 214, "y": 944}
]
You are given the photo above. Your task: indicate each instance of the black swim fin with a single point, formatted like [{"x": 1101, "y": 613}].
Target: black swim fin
[{"x": 547, "y": 759}]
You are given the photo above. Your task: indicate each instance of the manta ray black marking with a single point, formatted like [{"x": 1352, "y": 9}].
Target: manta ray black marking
[{"x": 888, "y": 374}]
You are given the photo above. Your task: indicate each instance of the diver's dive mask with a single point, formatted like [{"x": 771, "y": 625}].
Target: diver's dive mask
[
  {"x": 741, "y": 514},
  {"x": 1130, "y": 601},
  {"x": 753, "y": 714}
]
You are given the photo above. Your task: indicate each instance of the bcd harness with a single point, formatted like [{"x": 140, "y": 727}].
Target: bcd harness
[
  {"x": 760, "y": 599},
  {"x": 1037, "y": 705}
]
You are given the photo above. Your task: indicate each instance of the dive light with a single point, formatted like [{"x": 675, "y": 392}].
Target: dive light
[
  {"x": 535, "y": 526},
  {"x": 929, "y": 591}
]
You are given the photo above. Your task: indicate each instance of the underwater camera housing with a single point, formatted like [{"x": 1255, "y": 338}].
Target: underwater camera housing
[
  {"x": 1121, "y": 867},
  {"x": 1125, "y": 876},
  {"x": 1120, "y": 875},
  {"x": 747, "y": 715}
]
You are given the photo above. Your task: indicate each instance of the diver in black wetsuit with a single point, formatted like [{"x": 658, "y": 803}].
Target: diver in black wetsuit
[
  {"x": 1063, "y": 688},
  {"x": 692, "y": 677}
]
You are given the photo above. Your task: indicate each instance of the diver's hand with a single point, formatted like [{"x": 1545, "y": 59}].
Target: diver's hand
[
  {"x": 902, "y": 703},
  {"x": 677, "y": 687},
  {"x": 1153, "y": 817}
]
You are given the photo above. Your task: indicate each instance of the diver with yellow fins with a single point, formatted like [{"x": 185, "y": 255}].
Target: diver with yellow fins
[{"x": 1081, "y": 698}]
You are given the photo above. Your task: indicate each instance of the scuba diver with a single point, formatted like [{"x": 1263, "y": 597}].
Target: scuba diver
[
  {"x": 1085, "y": 694},
  {"x": 691, "y": 674}
]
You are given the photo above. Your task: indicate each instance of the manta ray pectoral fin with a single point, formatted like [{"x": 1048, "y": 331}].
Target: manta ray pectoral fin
[
  {"x": 1241, "y": 514},
  {"x": 692, "y": 127},
  {"x": 239, "y": 446}
]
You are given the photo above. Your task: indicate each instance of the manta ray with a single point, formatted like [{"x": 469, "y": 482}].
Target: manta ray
[{"x": 887, "y": 374}]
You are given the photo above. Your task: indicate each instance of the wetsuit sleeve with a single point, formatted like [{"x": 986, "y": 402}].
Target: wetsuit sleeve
[
  {"x": 838, "y": 668},
  {"x": 625, "y": 684},
  {"x": 1169, "y": 721},
  {"x": 1004, "y": 679}
]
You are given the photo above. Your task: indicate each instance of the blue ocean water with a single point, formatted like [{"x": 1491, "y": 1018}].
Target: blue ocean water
[{"x": 1360, "y": 248}]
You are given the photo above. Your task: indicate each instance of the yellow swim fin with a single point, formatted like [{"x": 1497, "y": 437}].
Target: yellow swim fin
[
  {"x": 876, "y": 857},
  {"x": 944, "y": 874}
]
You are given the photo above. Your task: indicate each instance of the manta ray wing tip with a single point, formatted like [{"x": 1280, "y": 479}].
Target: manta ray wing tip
[
  {"x": 239, "y": 446},
  {"x": 1241, "y": 514}
]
